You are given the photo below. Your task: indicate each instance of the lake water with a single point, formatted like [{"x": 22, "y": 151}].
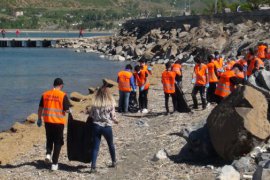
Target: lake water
[{"x": 25, "y": 73}]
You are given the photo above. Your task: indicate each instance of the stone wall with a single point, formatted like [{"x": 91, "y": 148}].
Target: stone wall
[{"x": 142, "y": 26}]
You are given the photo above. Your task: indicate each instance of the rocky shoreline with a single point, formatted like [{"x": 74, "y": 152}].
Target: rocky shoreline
[{"x": 159, "y": 46}]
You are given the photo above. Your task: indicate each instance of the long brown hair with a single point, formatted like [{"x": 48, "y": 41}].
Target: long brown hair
[{"x": 103, "y": 98}]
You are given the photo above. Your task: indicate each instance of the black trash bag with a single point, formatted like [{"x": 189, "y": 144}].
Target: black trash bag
[
  {"x": 133, "y": 106},
  {"x": 79, "y": 140},
  {"x": 181, "y": 102}
]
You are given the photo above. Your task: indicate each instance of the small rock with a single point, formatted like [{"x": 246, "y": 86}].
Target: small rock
[
  {"x": 228, "y": 173},
  {"x": 162, "y": 154},
  {"x": 244, "y": 164},
  {"x": 142, "y": 123},
  {"x": 109, "y": 83},
  {"x": 187, "y": 27},
  {"x": 91, "y": 90},
  {"x": 32, "y": 118}
]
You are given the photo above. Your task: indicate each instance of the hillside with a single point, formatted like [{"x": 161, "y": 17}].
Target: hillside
[{"x": 90, "y": 14}]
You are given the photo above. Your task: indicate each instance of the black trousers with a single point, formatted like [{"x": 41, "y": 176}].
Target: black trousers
[
  {"x": 195, "y": 90},
  {"x": 173, "y": 95},
  {"x": 210, "y": 95},
  {"x": 143, "y": 101},
  {"x": 55, "y": 140},
  {"x": 219, "y": 99}
]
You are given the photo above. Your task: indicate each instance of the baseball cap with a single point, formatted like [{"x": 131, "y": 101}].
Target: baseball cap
[{"x": 58, "y": 82}]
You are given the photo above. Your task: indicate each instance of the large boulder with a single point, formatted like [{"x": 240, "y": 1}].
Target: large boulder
[{"x": 239, "y": 123}]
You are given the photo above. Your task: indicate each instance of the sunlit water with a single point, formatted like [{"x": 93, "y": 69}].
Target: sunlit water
[{"x": 27, "y": 72}]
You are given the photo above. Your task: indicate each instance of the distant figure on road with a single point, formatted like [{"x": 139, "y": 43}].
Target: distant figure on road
[
  {"x": 3, "y": 32},
  {"x": 18, "y": 33},
  {"x": 81, "y": 33}
]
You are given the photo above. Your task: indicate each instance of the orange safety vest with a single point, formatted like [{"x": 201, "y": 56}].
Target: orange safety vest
[
  {"x": 177, "y": 69},
  {"x": 240, "y": 75},
  {"x": 261, "y": 51},
  {"x": 229, "y": 65},
  {"x": 124, "y": 81},
  {"x": 145, "y": 68},
  {"x": 211, "y": 72},
  {"x": 242, "y": 62},
  {"x": 200, "y": 71},
  {"x": 141, "y": 79},
  {"x": 224, "y": 85},
  {"x": 219, "y": 63},
  {"x": 168, "y": 81},
  {"x": 53, "y": 107},
  {"x": 251, "y": 66}
]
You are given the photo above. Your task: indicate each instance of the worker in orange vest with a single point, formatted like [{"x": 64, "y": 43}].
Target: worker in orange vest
[
  {"x": 201, "y": 80},
  {"x": 168, "y": 81},
  {"x": 227, "y": 82},
  {"x": 177, "y": 68},
  {"x": 144, "y": 67},
  {"x": 126, "y": 84},
  {"x": 229, "y": 63},
  {"x": 218, "y": 60},
  {"x": 213, "y": 79},
  {"x": 242, "y": 61},
  {"x": 141, "y": 78},
  {"x": 52, "y": 108},
  {"x": 261, "y": 51},
  {"x": 267, "y": 61},
  {"x": 254, "y": 64}
]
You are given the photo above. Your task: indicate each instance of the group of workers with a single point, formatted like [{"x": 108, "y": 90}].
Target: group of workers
[{"x": 214, "y": 80}]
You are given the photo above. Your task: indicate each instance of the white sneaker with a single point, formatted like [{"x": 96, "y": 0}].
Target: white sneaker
[
  {"x": 48, "y": 158},
  {"x": 54, "y": 167},
  {"x": 144, "y": 111}
]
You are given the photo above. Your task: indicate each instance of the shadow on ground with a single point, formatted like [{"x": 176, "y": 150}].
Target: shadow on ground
[{"x": 41, "y": 165}]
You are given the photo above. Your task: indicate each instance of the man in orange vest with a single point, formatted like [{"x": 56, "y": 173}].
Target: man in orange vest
[
  {"x": 126, "y": 84},
  {"x": 254, "y": 64},
  {"x": 227, "y": 82},
  {"x": 168, "y": 81},
  {"x": 201, "y": 80},
  {"x": 177, "y": 68},
  {"x": 218, "y": 60},
  {"x": 144, "y": 67},
  {"x": 261, "y": 51},
  {"x": 213, "y": 79},
  {"x": 52, "y": 108},
  {"x": 141, "y": 78}
]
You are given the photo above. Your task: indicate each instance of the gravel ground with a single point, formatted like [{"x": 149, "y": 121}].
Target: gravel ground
[{"x": 137, "y": 139}]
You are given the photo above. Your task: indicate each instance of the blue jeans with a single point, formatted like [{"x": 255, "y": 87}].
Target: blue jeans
[
  {"x": 123, "y": 101},
  {"x": 107, "y": 133}
]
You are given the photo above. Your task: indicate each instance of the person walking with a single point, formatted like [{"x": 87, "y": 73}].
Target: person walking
[
  {"x": 126, "y": 84},
  {"x": 177, "y": 68},
  {"x": 168, "y": 81},
  {"x": 53, "y": 107},
  {"x": 81, "y": 33},
  {"x": 102, "y": 114},
  {"x": 228, "y": 81},
  {"x": 141, "y": 78},
  {"x": 254, "y": 64},
  {"x": 3, "y": 32},
  {"x": 213, "y": 79},
  {"x": 18, "y": 33},
  {"x": 200, "y": 78}
]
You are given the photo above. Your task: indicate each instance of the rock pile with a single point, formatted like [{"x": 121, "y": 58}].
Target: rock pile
[{"x": 159, "y": 45}]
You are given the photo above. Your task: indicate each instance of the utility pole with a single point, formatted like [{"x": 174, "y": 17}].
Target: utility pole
[{"x": 216, "y": 3}]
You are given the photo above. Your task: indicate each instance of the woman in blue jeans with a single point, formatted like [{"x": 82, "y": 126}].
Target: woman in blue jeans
[{"x": 103, "y": 116}]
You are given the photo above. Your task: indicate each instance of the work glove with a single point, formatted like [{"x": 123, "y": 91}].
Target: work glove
[
  {"x": 133, "y": 90},
  {"x": 39, "y": 122},
  {"x": 142, "y": 88},
  {"x": 193, "y": 81},
  {"x": 246, "y": 78},
  {"x": 149, "y": 68},
  {"x": 220, "y": 70},
  {"x": 245, "y": 68},
  {"x": 207, "y": 85}
]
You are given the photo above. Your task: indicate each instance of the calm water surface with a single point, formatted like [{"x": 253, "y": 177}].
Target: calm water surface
[{"x": 25, "y": 73}]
